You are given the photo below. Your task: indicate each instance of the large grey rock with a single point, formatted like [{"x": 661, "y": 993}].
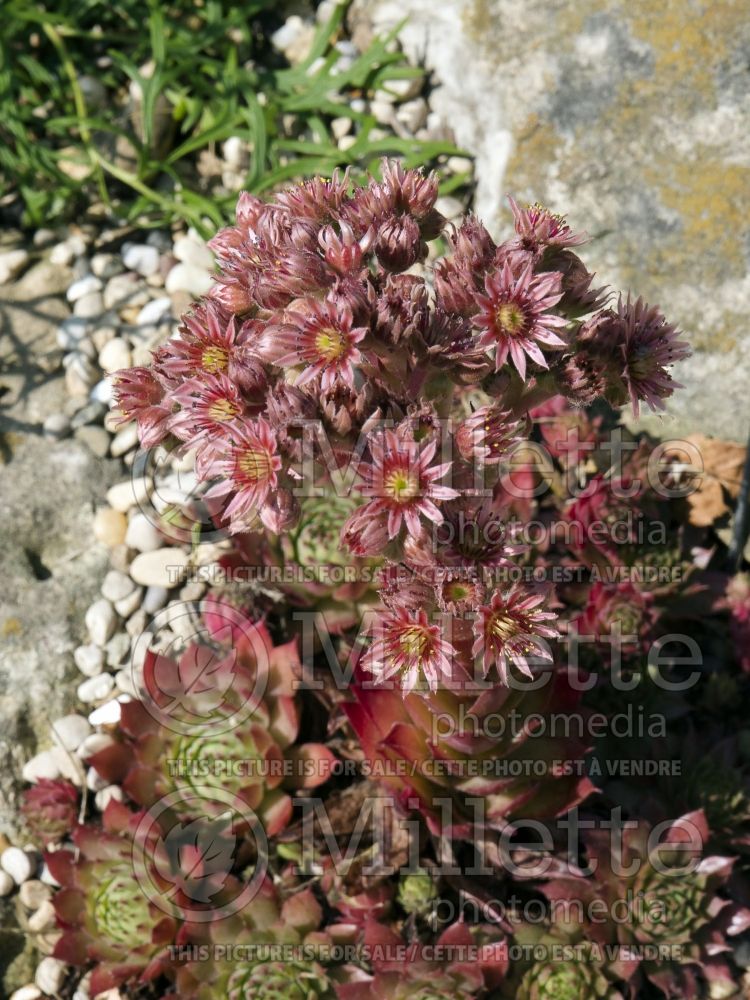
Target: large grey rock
[
  {"x": 50, "y": 569},
  {"x": 631, "y": 117},
  {"x": 50, "y": 566}
]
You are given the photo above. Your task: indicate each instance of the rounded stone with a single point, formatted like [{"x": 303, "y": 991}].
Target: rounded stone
[
  {"x": 154, "y": 599},
  {"x": 107, "y": 714},
  {"x": 7, "y": 885},
  {"x": 56, "y": 426},
  {"x": 84, "y": 286},
  {"x": 128, "y": 605},
  {"x": 140, "y": 257},
  {"x": 130, "y": 493},
  {"x": 114, "y": 355},
  {"x": 33, "y": 893},
  {"x": 141, "y": 534},
  {"x": 70, "y": 731},
  {"x": 89, "y": 659},
  {"x": 160, "y": 568},
  {"x": 50, "y": 975},
  {"x": 101, "y": 620},
  {"x": 17, "y": 864},
  {"x": 42, "y": 765},
  {"x": 95, "y": 688},
  {"x": 116, "y": 585},
  {"x": 110, "y": 526},
  {"x": 106, "y": 795}
]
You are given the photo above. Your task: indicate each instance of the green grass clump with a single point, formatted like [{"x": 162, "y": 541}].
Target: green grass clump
[{"x": 201, "y": 72}]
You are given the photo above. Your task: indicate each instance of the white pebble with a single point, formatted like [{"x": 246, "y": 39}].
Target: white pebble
[
  {"x": 106, "y": 265},
  {"x": 89, "y": 305},
  {"x": 114, "y": 355},
  {"x": 95, "y": 688},
  {"x": 105, "y": 795},
  {"x": 142, "y": 535},
  {"x": 413, "y": 114},
  {"x": 93, "y": 744},
  {"x": 131, "y": 493},
  {"x": 33, "y": 893},
  {"x": 154, "y": 312},
  {"x": 188, "y": 278},
  {"x": 67, "y": 765},
  {"x": 117, "y": 585},
  {"x": 89, "y": 659},
  {"x": 190, "y": 251},
  {"x": 154, "y": 599},
  {"x": 41, "y": 765},
  {"x": 43, "y": 919},
  {"x": 12, "y": 262},
  {"x": 84, "y": 286},
  {"x": 107, "y": 714},
  {"x": 141, "y": 258},
  {"x": 125, "y": 290},
  {"x": 102, "y": 392},
  {"x": 56, "y": 426},
  {"x": 124, "y": 682},
  {"x": 7, "y": 885},
  {"x": 50, "y": 974},
  {"x": 70, "y": 731},
  {"x": 449, "y": 206},
  {"x": 160, "y": 568},
  {"x": 29, "y": 992},
  {"x": 17, "y": 864},
  {"x": 101, "y": 621},
  {"x": 124, "y": 441},
  {"x": 62, "y": 254},
  {"x": 129, "y": 604},
  {"x": 117, "y": 648}
]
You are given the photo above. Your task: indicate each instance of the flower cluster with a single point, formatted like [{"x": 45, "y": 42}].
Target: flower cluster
[{"x": 407, "y": 437}]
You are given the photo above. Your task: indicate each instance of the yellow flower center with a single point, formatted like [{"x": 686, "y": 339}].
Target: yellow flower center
[
  {"x": 457, "y": 592},
  {"x": 511, "y": 318},
  {"x": 503, "y": 626},
  {"x": 414, "y": 642},
  {"x": 401, "y": 486},
  {"x": 215, "y": 359},
  {"x": 330, "y": 344},
  {"x": 255, "y": 466},
  {"x": 223, "y": 409}
]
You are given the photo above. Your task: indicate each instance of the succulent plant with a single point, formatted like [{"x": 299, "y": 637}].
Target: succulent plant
[
  {"x": 217, "y": 723},
  {"x": 459, "y": 747},
  {"x": 102, "y": 910},
  {"x": 559, "y": 963},
  {"x": 318, "y": 572},
  {"x": 50, "y": 809},
  {"x": 264, "y": 952},
  {"x": 417, "y": 892},
  {"x": 661, "y": 916},
  {"x": 464, "y": 963}
]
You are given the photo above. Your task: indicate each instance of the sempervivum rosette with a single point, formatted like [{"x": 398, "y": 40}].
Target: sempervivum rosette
[
  {"x": 50, "y": 809},
  {"x": 655, "y": 907},
  {"x": 561, "y": 963},
  {"x": 273, "y": 949},
  {"x": 464, "y": 963},
  {"x": 218, "y": 723},
  {"x": 453, "y": 747},
  {"x": 104, "y": 915},
  {"x": 316, "y": 571}
]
